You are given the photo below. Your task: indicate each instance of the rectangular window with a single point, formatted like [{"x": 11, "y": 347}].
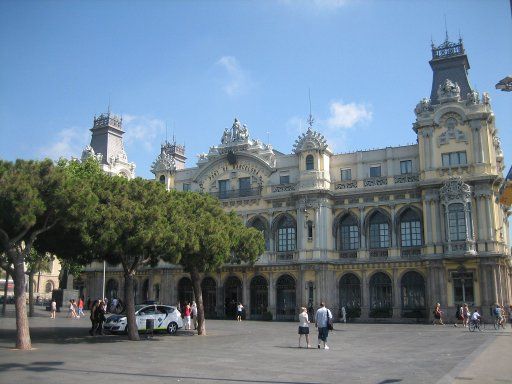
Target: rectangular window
[
  {"x": 244, "y": 185},
  {"x": 453, "y": 159},
  {"x": 463, "y": 291},
  {"x": 406, "y": 167},
  {"x": 286, "y": 239},
  {"x": 375, "y": 171},
  {"x": 346, "y": 174},
  {"x": 186, "y": 187},
  {"x": 284, "y": 179},
  {"x": 349, "y": 237},
  {"x": 223, "y": 188},
  {"x": 410, "y": 233},
  {"x": 379, "y": 235}
]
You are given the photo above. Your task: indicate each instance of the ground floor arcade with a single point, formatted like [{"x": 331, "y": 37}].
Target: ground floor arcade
[{"x": 404, "y": 290}]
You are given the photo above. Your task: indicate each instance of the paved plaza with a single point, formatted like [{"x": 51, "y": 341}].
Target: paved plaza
[{"x": 256, "y": 352}]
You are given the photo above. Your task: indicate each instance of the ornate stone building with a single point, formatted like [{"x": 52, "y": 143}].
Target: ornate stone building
[{"x": 385, "y": 233}]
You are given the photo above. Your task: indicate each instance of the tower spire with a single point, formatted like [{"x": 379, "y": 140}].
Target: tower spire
[{"x": 310, "y": 118}]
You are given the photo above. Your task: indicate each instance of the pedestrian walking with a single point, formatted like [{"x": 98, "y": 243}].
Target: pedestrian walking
[
  {"x": 53, "y": 309},
  {"x": 94, "y": 323},
  {"x": 71, "y": 309},
  {"x": 304, "y": 326},
  {"x": 437, "y": 315},
  {"x": 465, "y": 315},
  {"x": 80, "y": 307},
  {"x": 343, "y": 314},
  {"x": 458, "y": 315},
  {"x": 239, "y": 312},
  {"x": 323, "y": 318},
  {"x": 187, "y": 313},
  {"x": 194, "y": 314}
]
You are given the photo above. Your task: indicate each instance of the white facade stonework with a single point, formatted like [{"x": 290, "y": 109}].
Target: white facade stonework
[{"x": 385, "y": 233}]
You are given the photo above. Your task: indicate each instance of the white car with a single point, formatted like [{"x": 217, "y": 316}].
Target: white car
[{"x": 165, "y": 317}]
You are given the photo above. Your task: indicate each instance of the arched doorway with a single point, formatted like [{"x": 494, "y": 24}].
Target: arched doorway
[
  {"x": 285, "y": 289},
  {"x": 209, "y": 292},
  {"x": 232, "y": 295},
  {"x": 185, "y": 292},
  {"x": 381, "y": 296},
  {"x": 412, "y": 292},
  {"x": 259, "y": 297},
  {"x": 145, "y": 290},
  {"x": 112, "y": 290},
  {"x": 350, "y": 295}
]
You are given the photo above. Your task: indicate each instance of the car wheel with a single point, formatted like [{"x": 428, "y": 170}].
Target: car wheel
[{"x": 172, "y": 328}]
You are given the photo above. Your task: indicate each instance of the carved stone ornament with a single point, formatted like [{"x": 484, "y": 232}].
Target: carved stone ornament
[
  {"x": 163, "y": 163},
  {"x": 451, "y": 133},
  {"x": 89, "y": 152},
  {"x": 448, "y": 91},
  {"x": 486, "y": 99},
  {"x": 238, "y": 133},
  {"x": 454, "y": 189},
  {"x": 423, "y": 106},
  {"x": 311, "y": 140},
  {"x": 473, "y": 98}
]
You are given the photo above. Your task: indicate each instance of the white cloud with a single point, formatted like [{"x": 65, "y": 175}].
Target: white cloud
[
  {"x": 143, "y": 131},
  {"x": 69, "y": 143},
  {"x": 237, "y": 81},
  {"x": 348, "y": 115}
]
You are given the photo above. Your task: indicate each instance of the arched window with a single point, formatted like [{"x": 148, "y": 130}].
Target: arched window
[
  {"x": 185, "y": 291},
  {"x": 209, "y": 291},
  {"x": 259, "y": 297},
  {"x": 285, "y": 290},
  {"x": 348, "y": 234},
  {"x": 379, "y": 231},
  {"x": 260, "y": 226},
  {"x": 310, "y": 163},
  {"x": 410, "y": 229},
  {"x": 112, "y": 290},
  {"x": 48, "y": 287},
  {"x": 457, "y": 222},
  {"x": 381, "y": 295},
  {"x": 162, "y": 179},
  {"x": 309, "y": 225},
  {"x": 412, "y": 288},
  {"x": 286, "y": 234},
  {"x": 232, "y": 295},
  {"x": 350, "y": 295}
]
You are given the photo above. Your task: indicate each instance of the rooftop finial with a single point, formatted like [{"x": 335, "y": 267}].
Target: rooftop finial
[
  {"x": 108, "y": 110},
  {"x": 310, "y": 118},
  {"x": 166, "y": 132},
  {"x": 445, "y": 27}
]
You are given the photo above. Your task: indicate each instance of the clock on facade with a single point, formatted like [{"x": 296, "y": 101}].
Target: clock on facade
[{"x": 231, "y": 157}]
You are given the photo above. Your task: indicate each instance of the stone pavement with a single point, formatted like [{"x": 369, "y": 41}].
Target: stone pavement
[{"x": 256, "y": 352}]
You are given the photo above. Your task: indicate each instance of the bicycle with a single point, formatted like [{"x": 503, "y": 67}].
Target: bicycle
[
  {"x": 498, "y": 322},
  {"x": 474, "y": 325}
]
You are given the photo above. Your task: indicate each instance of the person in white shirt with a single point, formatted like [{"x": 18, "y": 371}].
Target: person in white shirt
[
  {"x": 304, "y": 326},
  {"x": 475, "y": 316},
  {"x": 239, "y": 312},
  {"x": 323, "y": 318},
  {"x": 194, "y": 314}
]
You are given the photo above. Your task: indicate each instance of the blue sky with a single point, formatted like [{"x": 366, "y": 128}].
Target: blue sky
[{"x": 195, "y": 65}]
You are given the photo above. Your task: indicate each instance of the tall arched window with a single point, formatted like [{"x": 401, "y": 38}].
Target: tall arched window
[
  {"x": 410, "y": 229},
  {"x": 457, "y": 222},
  {"x": 232, "y": 295},
  {"x": 259, "y": 224},
  {"x": 185, "y": 291},
  {"x": 412, "y": 293},
  {"x": 259, "y": 297},
  {"x": 209, "y": 291},
  {"x": 310, "y": 163},
  {"x": 350, "y": 295},
  {"x": 285, "y": 287},
  {"x": 379, "y": 231},
  {"x": 286, "y": 234},
  {"x": 349, "y": 234},
  {"x": 381, "y": 295},
  {"x": 162, "y": 179}
]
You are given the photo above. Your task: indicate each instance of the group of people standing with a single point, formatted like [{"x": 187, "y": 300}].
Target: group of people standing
[
  {"x": 75, "y": 309},
  {"x": 189, "y": 313},
  {"x": 98, "y": 311},
  {"x": 323, "y": 322}
]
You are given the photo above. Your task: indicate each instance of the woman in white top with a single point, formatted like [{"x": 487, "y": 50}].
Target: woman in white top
[{"x": 304, "y": 326}]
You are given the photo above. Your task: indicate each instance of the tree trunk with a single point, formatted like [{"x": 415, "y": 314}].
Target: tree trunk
[
  {"x": 196, "y": 284},
  {"x": 129, "y": 300},
  {"x": 30, "y": 294},
  {"x": 6, "y": 288},
  {"x": 22, "y": 326}
]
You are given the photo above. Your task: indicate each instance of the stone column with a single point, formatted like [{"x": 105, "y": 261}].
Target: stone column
[
  {"x": 393, "y": 227},
  {"x": 365, "y": 297},
  {"x": 362, "y": 233},
  {"x": 221, "y": 310},
  {"x": 396, "y": 295},
  {"x": 246, "y": 297},
  {"x": 272, "y": 294},
  {"x": 427, "y": 206},
  {"x": 301, "y": 227}
]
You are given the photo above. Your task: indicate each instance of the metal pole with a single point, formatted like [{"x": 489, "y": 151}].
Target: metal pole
[{"x": 104, "y": 267}]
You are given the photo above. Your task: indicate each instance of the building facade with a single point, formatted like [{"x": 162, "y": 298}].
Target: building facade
[{"x": 385, "y": 233}]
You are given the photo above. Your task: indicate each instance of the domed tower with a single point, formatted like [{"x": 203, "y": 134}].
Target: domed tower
[
  {"x": 314, "y": 159},
  {"x": 171, "y": 158}
]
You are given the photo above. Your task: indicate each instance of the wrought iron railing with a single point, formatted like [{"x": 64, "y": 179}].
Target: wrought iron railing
[
  {"x": 283, "y": 188},
  {"x": 410, "y": 252},
  {"x": 447, "y": 49},
  {"x": 236, "y": 193},
  {"x": 375, "y": 181},
  {"x": 379, "y": 253},
  {"x": 348, "y": 254}
]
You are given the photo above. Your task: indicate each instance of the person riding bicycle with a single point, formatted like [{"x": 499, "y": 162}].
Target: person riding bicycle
[
  {"x": 475, "y": 317},
  {"x": 498, "y": 314}
]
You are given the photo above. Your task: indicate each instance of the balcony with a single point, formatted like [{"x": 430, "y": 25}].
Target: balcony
[
  {"x": 348, "y": 255},
  {"x": 410, "y": 252},
  {"x": 280, "y": 257},
  {"x": 378, "y": 253},
  {"x": 237, "y": 193},
  {"x": 283, "y": 188}
]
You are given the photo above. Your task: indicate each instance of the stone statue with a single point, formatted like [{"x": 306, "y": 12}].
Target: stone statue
[
  {"x": 235, "y": 130},
  {"x": 422, "y": 106},
  {"x": 486, "y": 99},
  {"x": 473, "y": 97},
  {"x": 226, "y": 136},
  {"x": 448, "y": 89}
]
